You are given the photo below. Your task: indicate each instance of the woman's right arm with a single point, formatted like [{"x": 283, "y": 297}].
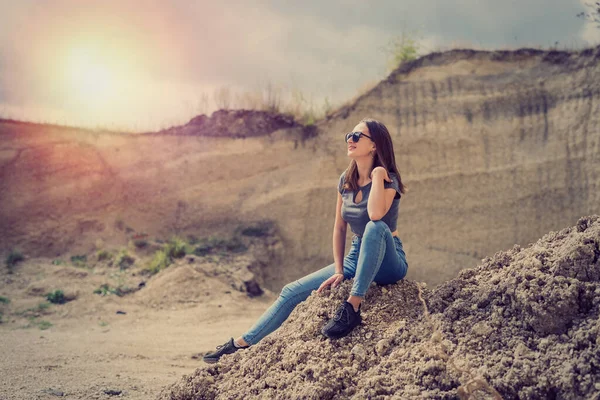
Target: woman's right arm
[{"x": 339, "y": 237}]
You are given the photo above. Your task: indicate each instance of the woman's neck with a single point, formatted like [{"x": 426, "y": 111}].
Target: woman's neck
[{"x": 364, "y": 167}]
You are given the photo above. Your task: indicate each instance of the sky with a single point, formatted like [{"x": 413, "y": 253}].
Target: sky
[{"x": 150, "y": 64}]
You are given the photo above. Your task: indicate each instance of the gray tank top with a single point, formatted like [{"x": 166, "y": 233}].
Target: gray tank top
[{"x": 356, "y": 214}]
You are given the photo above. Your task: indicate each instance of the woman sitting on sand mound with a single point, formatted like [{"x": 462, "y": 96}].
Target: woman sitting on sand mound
[{"x": 368, "y": 200}]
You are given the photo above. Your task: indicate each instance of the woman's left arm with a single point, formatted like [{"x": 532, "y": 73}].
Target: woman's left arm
[{"x": 380, "y": 198}]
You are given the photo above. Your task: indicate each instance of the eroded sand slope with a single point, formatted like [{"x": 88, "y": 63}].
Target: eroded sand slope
[{"x": 497, "y": 147}]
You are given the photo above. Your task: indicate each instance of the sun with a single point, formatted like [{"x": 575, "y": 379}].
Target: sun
[{"x": 90, "y": 78}]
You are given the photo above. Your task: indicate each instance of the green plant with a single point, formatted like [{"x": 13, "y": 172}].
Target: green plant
[
  {"x": 175, "y": 247},
  {"x": 219, "y": 245},
  {"x": 104, "y": 255},
  {"x": 160, "y": 261},
  {"x": 40, "y": 309},
  {"x": 43, "y": 325},
  {"x": 192, "y": 239},
  {"x": 56, "y": 297},
  {"x": 103, "y": 323},
  {"x": 3, "y": 300},
  {"x": 13, "y": 258},
  {"x": 79, "y": 260},
  {"x": 401, "y": 49},
  {"x": 56, "y": 262},
  {"x": 188, "y": 248},
  {"x": 124, "y": 260},
  {"x": 33, "y": 321},
  {"x": 105, "y": 289}
]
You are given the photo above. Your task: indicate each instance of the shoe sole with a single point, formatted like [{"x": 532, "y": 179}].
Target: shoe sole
[
  {"x": 339, "y": 336},
  {"x": 210, "y": 360}
]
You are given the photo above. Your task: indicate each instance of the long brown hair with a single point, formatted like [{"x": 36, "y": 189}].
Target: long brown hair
[{"x": 384, "y": 155}]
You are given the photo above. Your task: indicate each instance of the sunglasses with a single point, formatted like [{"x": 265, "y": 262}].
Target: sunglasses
[{"x": 355, "y": 136}]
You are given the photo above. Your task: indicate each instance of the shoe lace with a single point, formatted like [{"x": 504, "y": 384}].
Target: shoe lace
[{"x": 342, "y": 313}]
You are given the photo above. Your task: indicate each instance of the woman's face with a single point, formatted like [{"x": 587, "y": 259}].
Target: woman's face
[{"x": 364, "y": 145}]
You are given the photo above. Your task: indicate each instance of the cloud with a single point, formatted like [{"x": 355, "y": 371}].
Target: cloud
[{"x": 180, "y": 50}]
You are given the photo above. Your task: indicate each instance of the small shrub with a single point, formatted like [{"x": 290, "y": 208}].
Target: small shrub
[
  {"x": 188, "y": 248},
  {"x": 259, "y": 229},
  {"x": 192, "y": 239},
  {"x": 124, "y": 260},
  {"x": 175, "y": 248},
  {"x": 13, "y": 258},
  {"x": 56, "y": 262},
  {"x": 104, "y": 255},
  {"x": 3, "y": 300},
  {"x": 202, "y": 250},
  {"x": 79, "y": 260},
  {"x": 43, "y": 325},
  {"x": 140, "y": 243},
  {"x": 207, "y": 245},
  {"x": 401, "y": 49},
  {"x": 56, "y": 297},
  {"x": 160, "y": 261},
  {"x": 221, "y": 246},
  {"x": 105, "y": 289},
  {"x": 140, "y": 240},
  {"x": 34, "y": 312}
]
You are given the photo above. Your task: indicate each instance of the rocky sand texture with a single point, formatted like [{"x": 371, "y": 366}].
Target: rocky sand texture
[{"x": 521, "y": 325}]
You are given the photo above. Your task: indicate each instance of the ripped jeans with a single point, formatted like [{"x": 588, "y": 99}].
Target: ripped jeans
[{"x": 377, "y": 256}]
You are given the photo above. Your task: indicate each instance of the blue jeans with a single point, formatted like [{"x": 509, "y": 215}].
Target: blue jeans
[{"x": 376, "y": 256}]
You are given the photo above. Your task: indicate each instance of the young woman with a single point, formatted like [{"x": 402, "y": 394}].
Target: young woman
[{"x": 368, "y": 199}]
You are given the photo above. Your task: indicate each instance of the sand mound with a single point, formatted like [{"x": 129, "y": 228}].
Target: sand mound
[
  {"x": 237, "y": 124},
  {"x": 523, "y": 324},
  {"x": 178, "y": 284}
]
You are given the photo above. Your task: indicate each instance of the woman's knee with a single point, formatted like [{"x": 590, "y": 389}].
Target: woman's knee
[
  {"x": 288, "y": 290},
  {"x": 378, "y": 226}
]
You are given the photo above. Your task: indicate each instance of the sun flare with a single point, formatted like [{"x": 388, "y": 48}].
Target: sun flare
[{"x": 90, "y": 78}]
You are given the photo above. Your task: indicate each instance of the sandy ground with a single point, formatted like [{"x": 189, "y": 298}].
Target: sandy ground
[{"x": 90, "y": 349}]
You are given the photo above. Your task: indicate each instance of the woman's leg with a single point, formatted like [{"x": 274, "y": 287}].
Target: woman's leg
[
  {"x": 291, "y": 295},
  {"x": 381, "y": 259}
]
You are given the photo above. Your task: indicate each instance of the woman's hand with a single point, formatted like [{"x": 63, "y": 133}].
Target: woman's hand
[
  {"x": 334, "y": 280},
  {"x": 377, "y": 171}
]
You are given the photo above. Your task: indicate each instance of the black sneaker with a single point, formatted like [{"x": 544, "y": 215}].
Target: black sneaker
[
  {"x": 344, "y": 321},
  {"x": 227, "y": 348}
]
